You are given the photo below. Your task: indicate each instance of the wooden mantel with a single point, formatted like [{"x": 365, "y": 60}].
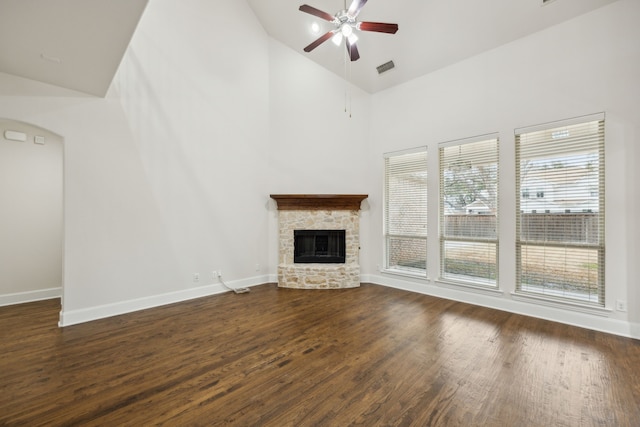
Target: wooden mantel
[{"x": 316, "y": 202}]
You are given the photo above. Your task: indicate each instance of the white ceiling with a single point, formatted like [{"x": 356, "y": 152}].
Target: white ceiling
[
  {"x": 432, "y": 33},
  {"x": 78, "y": 44},
  {"x": 75, "y": 44}
]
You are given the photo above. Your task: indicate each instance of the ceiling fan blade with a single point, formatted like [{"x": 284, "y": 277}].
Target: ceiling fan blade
[
  {"x": 319, "y": 41},
  {"x": 353, "y": 51},
  {"x": 355, "y": 7},
  {"x": 378, "y": 27},
  {"x": 316, "y": 12}
]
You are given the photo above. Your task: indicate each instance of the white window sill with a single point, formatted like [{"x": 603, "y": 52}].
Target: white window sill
[
  {"x": 445, "y": 283},
  {"x": 406, "y": 273},
  {"x": 567, "y": 305}
]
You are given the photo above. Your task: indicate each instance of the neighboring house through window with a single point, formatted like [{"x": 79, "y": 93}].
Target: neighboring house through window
[{"x": 560, "y": 239}]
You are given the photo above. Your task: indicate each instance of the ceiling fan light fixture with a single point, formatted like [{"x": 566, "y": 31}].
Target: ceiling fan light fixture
[
  {"x": 337, "y": 39},
  {"x": 353, "y": 39},
  {"x": 346, "y": 30}
]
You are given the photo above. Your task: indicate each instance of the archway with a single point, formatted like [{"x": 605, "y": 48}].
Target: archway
[{"x": 31, "y": 213}]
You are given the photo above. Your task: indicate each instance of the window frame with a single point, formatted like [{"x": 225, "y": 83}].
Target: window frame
[
  {"x": 444, "y": 238},
  {"x": 388, "y": 234},
  {"x": 563, "y": 294}
]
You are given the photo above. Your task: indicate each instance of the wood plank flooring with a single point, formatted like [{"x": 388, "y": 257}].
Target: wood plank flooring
[{"x": 371, "y": 356}]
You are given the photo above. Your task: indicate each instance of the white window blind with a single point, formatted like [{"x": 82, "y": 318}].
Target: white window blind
[
  {"x": 405, "y": 211},
  {"x": 560, "y": 204},
  {"x": 469, "y": 211}
]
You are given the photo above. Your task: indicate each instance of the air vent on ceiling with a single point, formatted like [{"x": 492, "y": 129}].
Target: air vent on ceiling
[{"x": 385, "y": 67}]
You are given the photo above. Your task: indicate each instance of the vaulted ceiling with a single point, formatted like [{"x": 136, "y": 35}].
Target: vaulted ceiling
[
  {"x": 432, "y": 33},
  {"x": 79, "y": 44},
  {"x": 75, "y": 44}
]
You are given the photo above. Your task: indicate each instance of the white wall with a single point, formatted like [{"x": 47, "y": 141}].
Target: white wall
[
  {"x": 198, "y": 110},
  {"x": 315, "y": 146},
  {"x": 588, "y": 65},
  {"x": 165, "y": 177},
  {"x": 30, "y": 215}
]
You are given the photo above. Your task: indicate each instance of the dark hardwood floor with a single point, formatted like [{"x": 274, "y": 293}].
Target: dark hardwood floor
[{"x": 371, "y": 356}]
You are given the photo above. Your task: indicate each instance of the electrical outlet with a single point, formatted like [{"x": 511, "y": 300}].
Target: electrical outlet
[
  {"x": 621, "y": 305},
  {"x": 257, "y": 267},
  {"x": 214, "y": 275},
  {"x": 196, "y": 277}
]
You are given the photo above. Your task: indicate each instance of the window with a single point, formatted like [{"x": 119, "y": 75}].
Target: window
[
  {"x": 469, "y": 211},
  {"x": 405, "y": 211},
  {"x": 560, "y": 240}
]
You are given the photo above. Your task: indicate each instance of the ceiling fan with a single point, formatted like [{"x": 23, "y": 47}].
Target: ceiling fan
[{"x": 345, "y": 23}]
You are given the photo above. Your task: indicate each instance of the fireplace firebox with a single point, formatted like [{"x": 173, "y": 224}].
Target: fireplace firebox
[{"x": 319, "y": 246}]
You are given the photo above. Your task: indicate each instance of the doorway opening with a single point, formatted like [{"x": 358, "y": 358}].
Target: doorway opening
[{"x": 32, "y": 214}]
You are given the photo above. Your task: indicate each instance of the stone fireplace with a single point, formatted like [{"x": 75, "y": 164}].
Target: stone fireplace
[{"x": 315, "y": 214}]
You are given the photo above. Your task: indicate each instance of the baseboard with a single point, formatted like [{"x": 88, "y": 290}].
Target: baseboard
[
  {"x": 73, "y": 317},
  {"x": 30, "y": 296},
  {"x": 598, "y": 323},
  {"x": 272, "y": 278},
  {"x": 505, "y": 303},
  {"x": 635, "y": 330},
  {"x": 252, "y": 281}
]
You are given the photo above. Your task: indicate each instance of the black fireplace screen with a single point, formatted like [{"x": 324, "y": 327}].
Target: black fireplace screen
[{"x": 319, "y": 246}]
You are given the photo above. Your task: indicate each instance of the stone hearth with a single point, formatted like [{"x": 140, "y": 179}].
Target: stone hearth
[{"x": 318, "y": 212}]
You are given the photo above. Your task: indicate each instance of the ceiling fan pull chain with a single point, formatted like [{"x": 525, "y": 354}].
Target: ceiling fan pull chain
[
  {"x": 346, "y": 85},
  {"x": 350, "y": 94},
  {"x": 347, "y": 81}
]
